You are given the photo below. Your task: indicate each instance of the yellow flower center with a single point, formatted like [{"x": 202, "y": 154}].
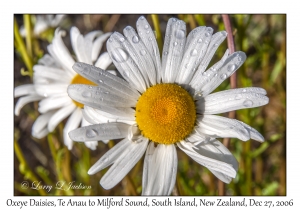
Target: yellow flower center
[
  {"x": 166, "y": 113},
  {"x": 80, "y": 80}
]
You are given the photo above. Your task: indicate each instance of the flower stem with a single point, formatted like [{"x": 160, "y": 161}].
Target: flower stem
[
  {"x": 28, "y": 38},
  {"x": 233, "y": 81},
  {"x": 155, "y": 21},
  {"x": 20, "y": 45}
]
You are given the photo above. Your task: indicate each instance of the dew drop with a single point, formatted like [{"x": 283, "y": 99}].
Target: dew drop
[
  {"x": 186, "y": 65},
  {"x": 135, "y": 39},
  {"x": 90, "y": 87},
  {"x": 150, "y": 39},
  {"x": 231, "y": 67},
  {"x": 119, "y": 55},
  {"x": 204, "y": 73},
  {"x": 86, "y": 94},
  {"x": 146, "y": 26},
  {"x": 181, "y": 44},
  {"x": 180, "y": 34},
  {"x": 206, "y": 42},
  {"x": 101, "y": 81},
  {"x": 216, "y": 75},
  {"x": 238, "y": 96},
  {"x": 142, "y": 18},
  {"x": 248, "y": 103},
  {"x": 173, "y": 19},
  {"x": 110, "y": 40},
  {"x": 175, "y": 43},
  {"x": 193, "y": 52},
  {"x": 223, "y": 76},
  {"x": 90, "y": 133},
  {"x": 122, "y": 39},
  {"x": 200, "y": 40},
  {"x": 143, "y": 52},
  {"x": 207, "y": 34},
  {"x": 147, "y": 32},
  {"x": 244, "y": 90},
  {"x": 166, "y": 53}
]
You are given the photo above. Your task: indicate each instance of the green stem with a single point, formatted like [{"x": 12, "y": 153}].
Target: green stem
[
  {"x": 155, "y": 21},
  {"x": 22, "y": 49},
  {"x": 25, "y": 168},
  {"x": 28, "y": 38}
]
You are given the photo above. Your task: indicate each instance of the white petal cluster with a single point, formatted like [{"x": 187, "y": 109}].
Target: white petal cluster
[
  {"x": 184, "y": 62},
  {"x": 51, "y": 77}
]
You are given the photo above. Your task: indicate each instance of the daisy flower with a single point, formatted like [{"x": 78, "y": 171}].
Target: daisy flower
[
  {"x": 51, "y": 77},
  {"x": 43, "y": 22},
  {"x": 160, "y": 105}
]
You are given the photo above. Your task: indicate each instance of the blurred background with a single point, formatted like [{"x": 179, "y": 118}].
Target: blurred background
[{"x": 262, "y": 166}]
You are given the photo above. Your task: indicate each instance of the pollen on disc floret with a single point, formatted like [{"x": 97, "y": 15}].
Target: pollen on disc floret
[{"x": 166, "y": 113}]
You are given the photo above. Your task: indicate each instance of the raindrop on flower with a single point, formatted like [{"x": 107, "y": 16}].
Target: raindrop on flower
[
  {"x": 223, "y": 76},
  {"x": 86, "y": 94},
  {"x": 119, "y": 55},
  {"x": 122, "y": 39},
  {"x": 248, "y": 103},
  {"x": 90, "y": 133},
  {"x": 135, "y": 39},
  {"x": 231, "y": 67},
  {"x": 193, "y": 52},
  {"x": 146, "y": 26},
  {"x": 175, "y": 43},
  {"x": 143, "y": 52},
  {"x": 199, "y": 40},
  {"x": 180, "y": 34}
]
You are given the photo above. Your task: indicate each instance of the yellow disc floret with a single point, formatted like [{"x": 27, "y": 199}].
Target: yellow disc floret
[
  {"x": 77, "y": 79},
  {"x": 166, "y": 113}
]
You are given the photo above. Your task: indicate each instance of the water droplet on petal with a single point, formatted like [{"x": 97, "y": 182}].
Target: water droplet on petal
[
  {"x": 244, "y": 90},
  {"x": 175, "y": 43},
  {"x": 90, "y": 133},
  {"x": 147, "y": 32},
  {"x": 143, "y": 52},
  {"x": 200, "y": 40},
  {"x": 142, "y": 18},
  {"x": 86, "y": 94},
  {"x": 180, "y": 34},
  {"x": 150, "y": 39},
  {"x": 174, "y": 20},
  {"x": 207, "y": 34},
  {"x": 90, "y": 87},
  {"x": 193, "y": 52},
  {"x": 135, "y": 39},
  {"x": 122, "y": 39},
  {"x": 146, "y": 26},
  {"x": 231, "y": 67},
  {"x": 166, "y": 53},
  {"x": 119, "y": 55},
  {"x": 248, "y": 103},
  {"x": 238, "y": 96},
  {"x": 223, "y": 76},
  {"x": 186, "y": 65}
]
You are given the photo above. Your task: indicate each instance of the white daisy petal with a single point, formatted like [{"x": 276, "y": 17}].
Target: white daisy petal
[
  {"x": 24, "y": 90},
  {"x": 215, "y": 42},
  {"x": 229, "y": 100},
  {"x": 51, "y": 73},
  {"x": 25, "y": 100},
  {"x": 213, "y": 77},
  {"x": 173, "y": 49},
  {"x": 148, "y": 38},
  {"x": 81, "y": 46},
  {"x": 223, "y": 177},
  {"x": 60, "y": 115},
  {"x": 124, "y": 163},
  {"x": 72, "y": 123},
  {"x": 142, "y": 58},
  {"x": 193, "y": 54},
  {"x": 254, "y": 134},
  {"x": 55, "y": 102},
  {"x": 95, "y": 97},
  {"x": 101, "y": 116},
  {"x": 98, "y": 132},
  {"x": 103, "y": 61},
  {"x": 97, "y": 45},
  {"x": 197, "y": 80},
  {"x": 39, "y": 127},
  {"x": 122, "y": 54},
  {"x": 62, "y": 53},
  {"x": 56, "y": 20},
  {"x": 47, "y": 60},
  {"x": 106, "y": 80},
  {"x": 221, "y": 127},
  {"x": 160, "y": 168},
  {"x": 50, "y": 89},
  {"x": 110, "y": 156},
  {"x": 208, "y": 162}
]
